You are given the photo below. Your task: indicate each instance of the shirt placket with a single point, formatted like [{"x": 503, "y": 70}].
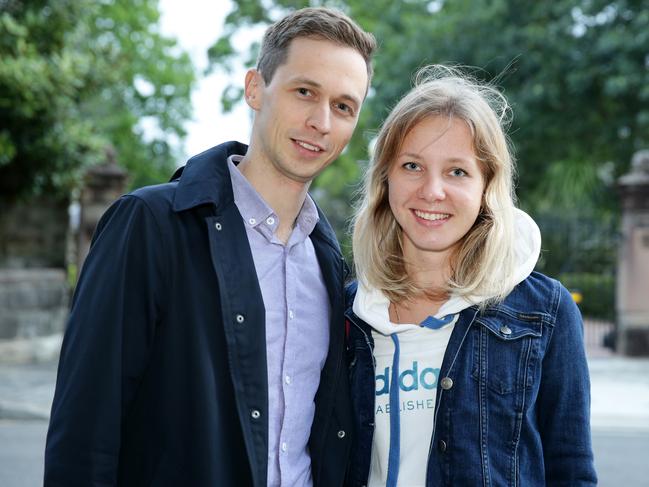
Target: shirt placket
[{"x": 288, "y": 366}]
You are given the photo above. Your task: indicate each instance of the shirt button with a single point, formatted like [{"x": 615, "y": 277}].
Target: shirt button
[
  {"x": 218, "y": 226},
  {"x": 441, "y": 446},
  {"x": 291, "y": 315},
  {"x": 284, "y": 447},
  {"x": 505, "y": 330},
  {"x": 287, "y": 379},
  {"x": 446, "y": 383},
  {"x": 341, "y": 434},
  {"x": 240, "y": 318},
  {"x": 255, "y": 414},
  {"x": 252, "y": 221},
  {"x": 270, "y": 220}
]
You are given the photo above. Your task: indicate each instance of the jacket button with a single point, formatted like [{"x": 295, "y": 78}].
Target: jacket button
[
  {"x": 441, "y": 446},
  {"x": 446, "y": 383},
  {"x": 240, "y": 318},
  {"x": 341, "y": 434},
  {"x": 255, "y": 414},
  {"x": 218, "y": 226},
  {"x": 505, "y": 330}
]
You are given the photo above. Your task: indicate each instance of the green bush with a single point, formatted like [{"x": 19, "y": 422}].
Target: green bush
[{"x": 597, "y": 290}]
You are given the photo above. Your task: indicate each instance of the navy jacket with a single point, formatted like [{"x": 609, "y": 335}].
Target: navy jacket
[
  {"x": 516, "y": 410},
  {"x": 162, "y": 378}
]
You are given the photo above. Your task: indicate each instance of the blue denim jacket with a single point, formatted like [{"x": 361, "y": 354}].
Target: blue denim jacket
[{"x": 516, "y": 410}]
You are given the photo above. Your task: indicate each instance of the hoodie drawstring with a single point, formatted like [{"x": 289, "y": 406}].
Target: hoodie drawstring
[{"x": 395, "y": 421}]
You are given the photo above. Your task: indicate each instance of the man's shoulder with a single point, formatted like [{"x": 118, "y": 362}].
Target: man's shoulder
[{"x": 157, "y": 198}]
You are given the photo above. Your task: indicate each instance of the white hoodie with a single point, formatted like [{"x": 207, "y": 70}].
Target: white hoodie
[{"x": 420, "y": 358}]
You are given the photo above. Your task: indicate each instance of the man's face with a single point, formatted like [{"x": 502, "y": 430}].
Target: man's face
[{"x": 307, "y": 113}]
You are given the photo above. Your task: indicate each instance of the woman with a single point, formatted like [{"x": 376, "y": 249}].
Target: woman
[{"x": 467, "y": 367}]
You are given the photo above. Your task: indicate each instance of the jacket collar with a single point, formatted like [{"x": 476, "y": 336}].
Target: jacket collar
[
  {"x": 205, "y": 178},
  {"x": 325, "y": 233}
]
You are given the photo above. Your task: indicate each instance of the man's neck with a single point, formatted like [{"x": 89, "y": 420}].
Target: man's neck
[{"x": 282, "y": 194}]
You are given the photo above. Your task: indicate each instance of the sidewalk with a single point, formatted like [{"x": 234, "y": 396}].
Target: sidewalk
[
  {"x": 619, "y": 390},
  {"x": 619, "y": 393},
  {"x": 26, "y": 391}
]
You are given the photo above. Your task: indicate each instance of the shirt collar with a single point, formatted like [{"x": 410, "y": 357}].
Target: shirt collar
[{"x": 257, "y": 213}]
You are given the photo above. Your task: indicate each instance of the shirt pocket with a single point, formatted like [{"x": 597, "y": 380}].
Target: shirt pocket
[{"x": 506, "y": 348}]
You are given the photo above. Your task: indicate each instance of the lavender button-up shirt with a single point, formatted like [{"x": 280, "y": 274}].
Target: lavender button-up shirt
[{"x": 297, "y": 327}]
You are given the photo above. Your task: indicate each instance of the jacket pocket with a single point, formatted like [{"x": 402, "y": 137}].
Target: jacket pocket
[{"x": 506, "y": 350}]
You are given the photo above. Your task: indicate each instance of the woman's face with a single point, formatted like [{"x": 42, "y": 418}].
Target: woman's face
[{"x": 435, "y": 187}]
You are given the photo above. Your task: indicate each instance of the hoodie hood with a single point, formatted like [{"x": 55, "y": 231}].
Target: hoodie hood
[{"x": 371, "y": 305}]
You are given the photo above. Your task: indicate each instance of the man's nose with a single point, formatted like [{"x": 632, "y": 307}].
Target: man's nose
[{"x": 320, "y": 118}]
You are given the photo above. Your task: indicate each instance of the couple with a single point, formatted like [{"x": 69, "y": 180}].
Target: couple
[{"x": 211, "y": 342}]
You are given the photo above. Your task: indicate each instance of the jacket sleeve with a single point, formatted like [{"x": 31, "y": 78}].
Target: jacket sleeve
[
  {"x": 564, "y": 401},
  {"x": 107, "y": 340}
]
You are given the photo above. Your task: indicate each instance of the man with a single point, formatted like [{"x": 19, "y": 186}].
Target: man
[{"x": 205, "y": 342}]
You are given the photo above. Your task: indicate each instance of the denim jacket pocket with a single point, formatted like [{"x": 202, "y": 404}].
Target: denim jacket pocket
[{"x": 506, "y": 347}]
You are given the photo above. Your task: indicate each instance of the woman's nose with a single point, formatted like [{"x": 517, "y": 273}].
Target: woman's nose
[{"x": 432, "y": 188}]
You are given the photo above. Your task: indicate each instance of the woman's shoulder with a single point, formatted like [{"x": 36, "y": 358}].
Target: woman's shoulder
[
  {"x": 538, "y": 293},
  {"x": 350, "y": 292}
]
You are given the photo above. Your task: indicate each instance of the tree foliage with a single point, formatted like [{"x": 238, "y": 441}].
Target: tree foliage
[
  {"x": 79, "y": 75},
  {"x": 575, "y": 71}
]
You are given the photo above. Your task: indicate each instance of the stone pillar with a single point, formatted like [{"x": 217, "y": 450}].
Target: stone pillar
[
  {"x": 103, "y": 184},
  {"x": 633, "y": 260}
]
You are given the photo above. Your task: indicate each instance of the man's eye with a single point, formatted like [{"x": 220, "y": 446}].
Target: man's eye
[
  {"x": 344, "y": 107},
  {"x": 304, "y": 91}
]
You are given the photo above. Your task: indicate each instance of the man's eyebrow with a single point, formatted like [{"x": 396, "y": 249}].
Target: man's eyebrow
[
  {"x": 309, "y": 82},
  {"x": 301, "y": 80}
]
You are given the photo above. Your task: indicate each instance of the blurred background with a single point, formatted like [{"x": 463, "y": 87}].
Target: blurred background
[{"x": 98, "y": 97}]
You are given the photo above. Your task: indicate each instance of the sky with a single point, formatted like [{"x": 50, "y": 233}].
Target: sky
[{"x": 196, "y": 24}]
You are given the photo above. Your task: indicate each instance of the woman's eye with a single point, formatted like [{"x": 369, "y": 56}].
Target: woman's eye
[
  {"x": 459, "y": 172},
  {"x": 411, "y": 166}
]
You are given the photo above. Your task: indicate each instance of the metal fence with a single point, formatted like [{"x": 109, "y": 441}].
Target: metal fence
[{"x": 581, "y": 251}]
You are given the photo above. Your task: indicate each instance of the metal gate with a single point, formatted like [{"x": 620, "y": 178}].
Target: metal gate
[{"x": 581, "y": 251}]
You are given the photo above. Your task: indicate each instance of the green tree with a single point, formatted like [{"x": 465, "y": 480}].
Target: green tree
[
  {"x": 78, "y": 75},
  {"x": 575, "y": 71}
]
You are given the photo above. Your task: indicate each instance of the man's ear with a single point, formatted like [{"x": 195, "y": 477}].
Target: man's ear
[{"x": 253, "y": 89}]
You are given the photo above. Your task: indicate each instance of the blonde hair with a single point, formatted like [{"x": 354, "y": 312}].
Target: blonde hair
[{"x": 485, "y": 257}]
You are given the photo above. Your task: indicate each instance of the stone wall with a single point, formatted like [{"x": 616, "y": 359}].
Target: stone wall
[
  {"x": 36, "y": 246},
  {"x": 34, "y": 234},
  {"x": 34, "y": 292},
  {"x": 33, "y": 311}
]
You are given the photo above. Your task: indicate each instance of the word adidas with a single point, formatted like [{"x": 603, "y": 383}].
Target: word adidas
[{"x": 409, "y": 379}]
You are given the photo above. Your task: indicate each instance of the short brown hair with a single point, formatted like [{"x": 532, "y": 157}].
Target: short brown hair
[{"x": 315, "y": 23}]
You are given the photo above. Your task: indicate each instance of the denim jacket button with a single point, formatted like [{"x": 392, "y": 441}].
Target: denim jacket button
[
  {"x": 441, "y": 446},
  {"x": 505, "y": 330},
  {"x": 446, "y": 383}
]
